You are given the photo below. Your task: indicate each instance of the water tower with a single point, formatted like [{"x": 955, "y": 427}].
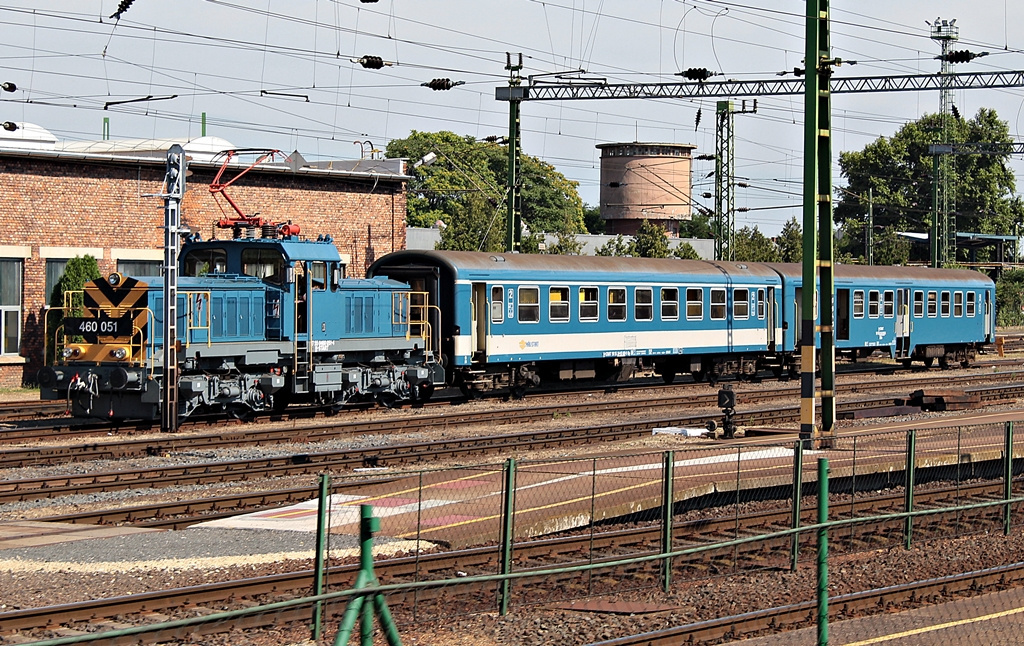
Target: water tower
[{"x": 645, "y": 181}]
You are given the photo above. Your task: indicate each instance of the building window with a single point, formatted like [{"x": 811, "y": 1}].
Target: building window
[
  {"x": 139, "y": 268},
  {"x": 643, "y": 307},
  {"x": 694, "y": 303},
  {"x": 933, "y": 304},
  {"x": 529, "y": 304},
  {"x": 958, "y": 304},
  {"x": 945, "y": 304},
  {"x": 616, "y": 303},
  {"x": 497, "y": 304},
  {"x": 558, "y": 304},
  {"x": 858, "y": 304},
  {"x": 669, "y": 304},
  {"x": 10, "y": 305},
  {"x": 54, "y": 270},
  {"x": 717, "y": 304},
  {"x": 741, "y": 303},
  {"x": 873, "y": 303},
  {"x": 588, "y": 303},
  {"x": 970, "y": 304},
  {"x": 888, "y": 309},
  {"x": 918, "y": 304}
]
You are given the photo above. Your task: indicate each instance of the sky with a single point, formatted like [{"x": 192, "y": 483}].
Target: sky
[{"x": 280, "y": 74}]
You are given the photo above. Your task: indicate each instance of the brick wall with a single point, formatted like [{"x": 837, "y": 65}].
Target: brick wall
[{"x": 54, "y": 201}]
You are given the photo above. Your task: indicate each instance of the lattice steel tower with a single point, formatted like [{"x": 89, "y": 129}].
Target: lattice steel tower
[{"x": 945, "y": 33}]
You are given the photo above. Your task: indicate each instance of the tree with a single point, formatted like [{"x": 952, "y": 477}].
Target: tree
[
  {"x": 750, "y": 245},
  {"x": 650, "y": 241},
  {"x": 617, "y": 246},
  {"x": 791, "y": 241},
  {"x": 77, "y": 272},
  {"x": 890, "y": 248},
  {"x": 898, "y": 170},
  {"x": 698, "y": 226},
  {"x": 592, "y": 219},
  {"x": 1010, "y": 298},
  {"x": 477, "y": 225},
  {"x": 566, "y": 245},
  {"x": 685, "y": 251}
]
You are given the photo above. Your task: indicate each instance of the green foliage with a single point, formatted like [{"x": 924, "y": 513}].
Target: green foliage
[
  {"x": 650, "y": 241},
  {"x": 890, "y": 248},
  {"x": 592, "y": 219},
  {"x": 531, "y": 243},
  {"x": 464, "y": 167},
  {"x": 699, "y": 227},
  {"x": 566, "y": 245},
  {"x": 78, "y": 271},
  {"x": 791, "y": 241},
  {"x": 477, "y": 225},
  {"x": 1010, "y": 298},
  {"x": 899, "y": 171},
  {"x": 750, "y": 245},
  {"x": 617, "y": 246},
  {"x": 685, "y": 251}
]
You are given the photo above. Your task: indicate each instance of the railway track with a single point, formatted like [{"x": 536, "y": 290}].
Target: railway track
[{"x": 547, "y": 553}]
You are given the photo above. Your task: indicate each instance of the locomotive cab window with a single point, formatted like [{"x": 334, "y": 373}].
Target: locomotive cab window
[
  {"x": 616, "y": 303},
  {"x": 858, "y": 304},
  {"x": 717, "y": 304},
  {"x": 944, "y": 304},
  {"x": 933, "y": 304},
  {"x": 588, "y": 303},
  {"x": 558, "y": 304},
  {"x": 318, "y": 275},
  {"x": 918, "y": 304},
  {"x": 206, "y": 261},
  {"x": 694, "y": 303},
  {"x": 669, "y": 304},
  {"x": 643, "y": 306},
  {"x": 497, "y": 304},
  {"x": 265, "y": 264},
  {"x": 740, "y": 303},
  {"x": 873, "y": 303},
  {"x": 529, "y": 304},
  {"x": 970, "y": 304},
  {"x": 888, "y": 309}
]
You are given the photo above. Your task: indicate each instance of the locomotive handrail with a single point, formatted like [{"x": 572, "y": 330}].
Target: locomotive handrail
[
  {"x": 415, "y": 314},
  {"x": 190, "y": 325}
]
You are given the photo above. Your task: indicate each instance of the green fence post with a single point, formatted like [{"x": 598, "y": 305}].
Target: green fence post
[
  {"x": 822, "y": 552},
  {"x": 509, "y": 499},
  {"x": 1007, "y": 476},
  {"x": 667, "y": 512},
  {"x": 908, "y": 495},
  {"x": 321, "y": 550},
  {"x": 798, "y": 494}
]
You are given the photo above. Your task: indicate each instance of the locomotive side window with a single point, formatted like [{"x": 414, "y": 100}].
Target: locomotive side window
[
  {"x": 558, "y": 304},
  {"x": 918, "y": 304},
  {"x": 717, "y": 304},
  {"x": 318, "y": 275},
  {"x": 858, "y": 304},
  {"x": 760, "y": 303},
  {"x": 945, "y": 304},
  {"x": 616, "y": 303},
  {"x": 206, "y": 261},
  {"x": 529, "y": 304},
  {"x": 588, "y": 303},
  {"x": 694, "y": 303},
  {"x": 497, "y": 304},
  {"x": 669, "y": 304},
  {"x": 933, "y": 304},
  {"x": 873, "y": 304},
  {"x": 958, "y": 304},
  {"x": 888, "y": 310},
  {"x": 643, "y": 304},
  {"x": 335, "y": 276},
  {"x": 970, "y": 304},
  {"x": 265, "y": 264},
  {"x": 740, "y": 303}
]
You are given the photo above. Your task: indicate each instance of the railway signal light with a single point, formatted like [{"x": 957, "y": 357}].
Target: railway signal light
[{"x": 442, "y": 84}]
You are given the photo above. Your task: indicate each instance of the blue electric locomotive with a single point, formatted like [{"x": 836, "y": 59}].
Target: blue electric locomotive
[{"x": 263, "y": 321}]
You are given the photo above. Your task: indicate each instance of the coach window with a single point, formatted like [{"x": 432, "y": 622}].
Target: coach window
[
  {"x": 529, "y": 304},
  {"x": 760, "y": 303},
  {"x": 873, "y": 304},
  {"x": 616, "y": 303},
  {"x": 933, "y": 304},
  {"x": 265, "y": 264},
  {"x": 558, "y": 304},
  {"x": 888, "y": 310},
  {"x": 918, "y": 304},
  {"x": 669, "y": 304},
  {"x": 945, "y": 304},
  {"x": 497, "y": 304},
  {"x": 694, "y": 303},
  {"x": 717, "y": 304},
  {"x": 643, "y": 304},
  {"x": 10, "y": 304},
  {"x": 958, "y": 304},
  {"x": 970, "y": 304},
  {"x": 318, "y": 275},
  {"x": 858, "y": 304},
  {"x": 741, "y": 303},
  {"x": 588, "y": 303}
]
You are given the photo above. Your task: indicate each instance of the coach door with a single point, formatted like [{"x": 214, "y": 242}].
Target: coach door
[
  {"x": 902, "y": 324},
  {"x": 773, "y": 330},
  {"x": 988, "y": 316},
  {"x": 479, "y": 321}
]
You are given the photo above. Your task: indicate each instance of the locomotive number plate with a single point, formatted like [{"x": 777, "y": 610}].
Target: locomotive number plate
[{"x": 104, "y": 326}]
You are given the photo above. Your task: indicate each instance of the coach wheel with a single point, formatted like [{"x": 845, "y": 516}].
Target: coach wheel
[
  {"x": 668, "y": 376},
  {"x": 698, "y": 375},
  {"x": 777, "y": 372},
  {"x": 928, "y": 361},
  {"x": 944, "y": 363},
  {"x": 906, "y": 362},
  {"x": 517, "y": 391}
]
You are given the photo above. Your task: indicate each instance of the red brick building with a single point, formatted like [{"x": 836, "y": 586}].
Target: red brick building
[{"x": 59, "y": 203}]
